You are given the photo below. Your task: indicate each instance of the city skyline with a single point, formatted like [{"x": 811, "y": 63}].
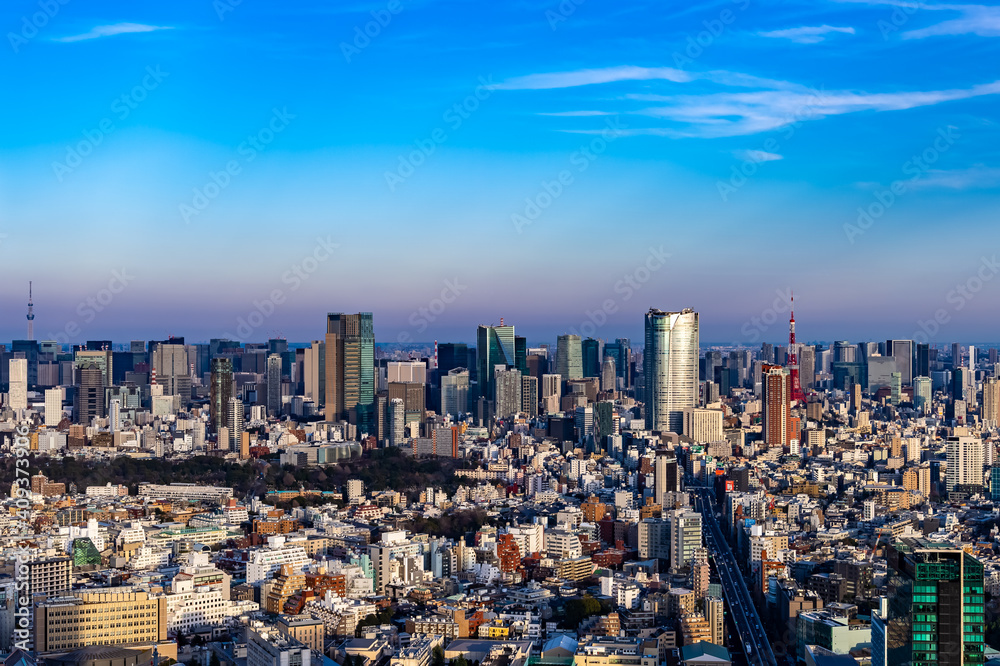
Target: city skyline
[{"x": 652, "y": 112}]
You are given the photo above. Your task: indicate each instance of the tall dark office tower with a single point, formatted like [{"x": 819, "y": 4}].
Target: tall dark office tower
[
  {"x": 521, "y": 354},
  {"x": 961, "y": 385},
  {"x": 956, "y": 355},
  {"x": 670, "y": 371},
  {"x": 591, "y": 357},
  {"x": 170, "y": 361},
  {"x": 277, "y": 346},
  {"x": 90, "y": 393},
  {"x": 98, "y": 345},
  {"x": 538, "y": 365},
  {"x": 452, "y": 355},
  {"x": 494, "y": 346},
  {"x": 936, "y": 609},
  {"x": 220, "y": 392},
  {"x": 767, "y": 352},
  {"x": 350, "y": 369},
  {"x": 844, "y": 352},
  {"x": 781, "y": 355},
  {"x": 807, "y": 366},
  {"x": 902, "y": 351},
  {"x": 30, "y": 349},
  {"x": 923, "y": 364}
]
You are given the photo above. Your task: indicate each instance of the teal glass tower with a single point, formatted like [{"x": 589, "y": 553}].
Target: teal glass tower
[{"x": 495, "y": 345}]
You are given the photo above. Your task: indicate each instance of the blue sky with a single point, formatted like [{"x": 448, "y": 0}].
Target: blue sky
[{"x": 468, "y": 161}]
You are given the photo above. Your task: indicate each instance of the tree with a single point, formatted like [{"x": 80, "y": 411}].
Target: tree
[
  {"x": 437, "y": 658},
  {"x": 214, "y": 661}
]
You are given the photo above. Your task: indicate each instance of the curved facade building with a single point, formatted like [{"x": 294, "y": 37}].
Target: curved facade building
[{"x": 671, "y": 367}]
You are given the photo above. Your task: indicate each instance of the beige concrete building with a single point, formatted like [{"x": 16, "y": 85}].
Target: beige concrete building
[{"x": 110, "y": 616}]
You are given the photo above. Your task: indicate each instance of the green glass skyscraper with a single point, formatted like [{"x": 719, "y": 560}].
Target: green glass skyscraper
[
  {"x": 350, "y": 369},
  {"x": 935, "y": 614},
  {"x": 495, "y": 345}
]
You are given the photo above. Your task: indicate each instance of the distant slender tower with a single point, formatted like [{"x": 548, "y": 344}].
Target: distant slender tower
[
  {"x": 793, "y": 358},
  {"x": 31, "y": 315}
]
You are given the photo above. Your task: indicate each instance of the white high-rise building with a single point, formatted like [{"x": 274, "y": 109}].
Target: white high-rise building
[
  {"x": 17, "y": 395},
  {"x": 685, "y": 536},
  {"x": 53, "y": 407},
  {"x": 508, "y": 392},
  {"x": 115, "y": 414},
  {"x": 965, "y": 462},
  {"x": 314, "y": 372},
  {"x": 670, "y": 368},
  {"x": 703, "y": 425},
  {"x": 406, "y": 371},
  {"x": 236, "y": 424},
  {"x": 397, "y": 422}
]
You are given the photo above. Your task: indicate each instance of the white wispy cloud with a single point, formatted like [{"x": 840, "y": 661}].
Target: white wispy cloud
[
  {"x": 578, "y": 114},
  {"x": 975, "y": 177},
  {"x": 722, "y": 111},
  {"x": 112, "y": 30},
  {"x": 982, "y": 20},
  {"x": 586, "y": 77},
  {"x": 757, "y": 156},
  {"x": 807, "y": 34}
]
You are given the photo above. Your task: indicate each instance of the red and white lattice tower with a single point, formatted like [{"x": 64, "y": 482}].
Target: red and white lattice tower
[{"x": 793, "y": 358}]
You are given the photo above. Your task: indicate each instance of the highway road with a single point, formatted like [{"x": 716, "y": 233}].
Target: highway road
[{"x": 741, "y": 607}]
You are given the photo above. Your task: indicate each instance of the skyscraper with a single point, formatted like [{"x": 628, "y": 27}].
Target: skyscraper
[
  {"x": 922, "y": 394},
  {"x": 494, "y": 346},
  {"x": 923, "y": 362},
  {"x": 235, "y": 419},
  {"x": 807, "y": 366},
  {"x": 508, "y": 387},
  {"x": 220, "y": 391},
  {"x": 685, "y": 537},
  {"x": 452, "y": 355},
  {"x": 902, "y": 351},
  {"x": 273, "y": 385},
  {"x": 965, "y": 463},
  {"x": 172, "y": 369},
  {"x": 591, "y": 350},
  {"x": 350, "y": 369},
  {"x": 455, "y": 392},
  {"x": 936, "y": 611},
  {"x": 665, "y": 476},
  {"x": 776, "y": 407},
  {"x": 991, "y": 402},
  {"x": 89, "y": 394},
  {"x": 529, "y": 395},
  {"x": 314, "y": 372},
  {"x": 956, "y": 355},
  {"x": 670, "y": 362},
  {"x": 53, "y": 407},
  {"x": 397, "y": 422},
  {"x": 609, "y": 374},
  {"x": 569, "y": 357},
  {"x": 18, "y": 390}
]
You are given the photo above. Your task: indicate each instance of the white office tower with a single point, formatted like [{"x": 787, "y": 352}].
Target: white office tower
[
  {"x": 53, "y": 407},
  {"x": 972, "y": 360},
  {"x": 608, "y": 374},
  {"x": 397, "y": 422},
  {"x": 869, "y": 510},
  {"x": 965, "y": 462},
  {"x": 17, "y": 396},
  {"x": 670, "y": 368},
  {"x": 508, "y": 392},
  {"x": 406, "y": 371},
  {"x": 235, "y": 424},
  {"x": 115, "y": 415},
  {"x": 685, "y": 537}
]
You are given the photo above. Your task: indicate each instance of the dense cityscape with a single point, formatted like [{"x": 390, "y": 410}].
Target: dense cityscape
[{"x": 648, "y": 503}]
